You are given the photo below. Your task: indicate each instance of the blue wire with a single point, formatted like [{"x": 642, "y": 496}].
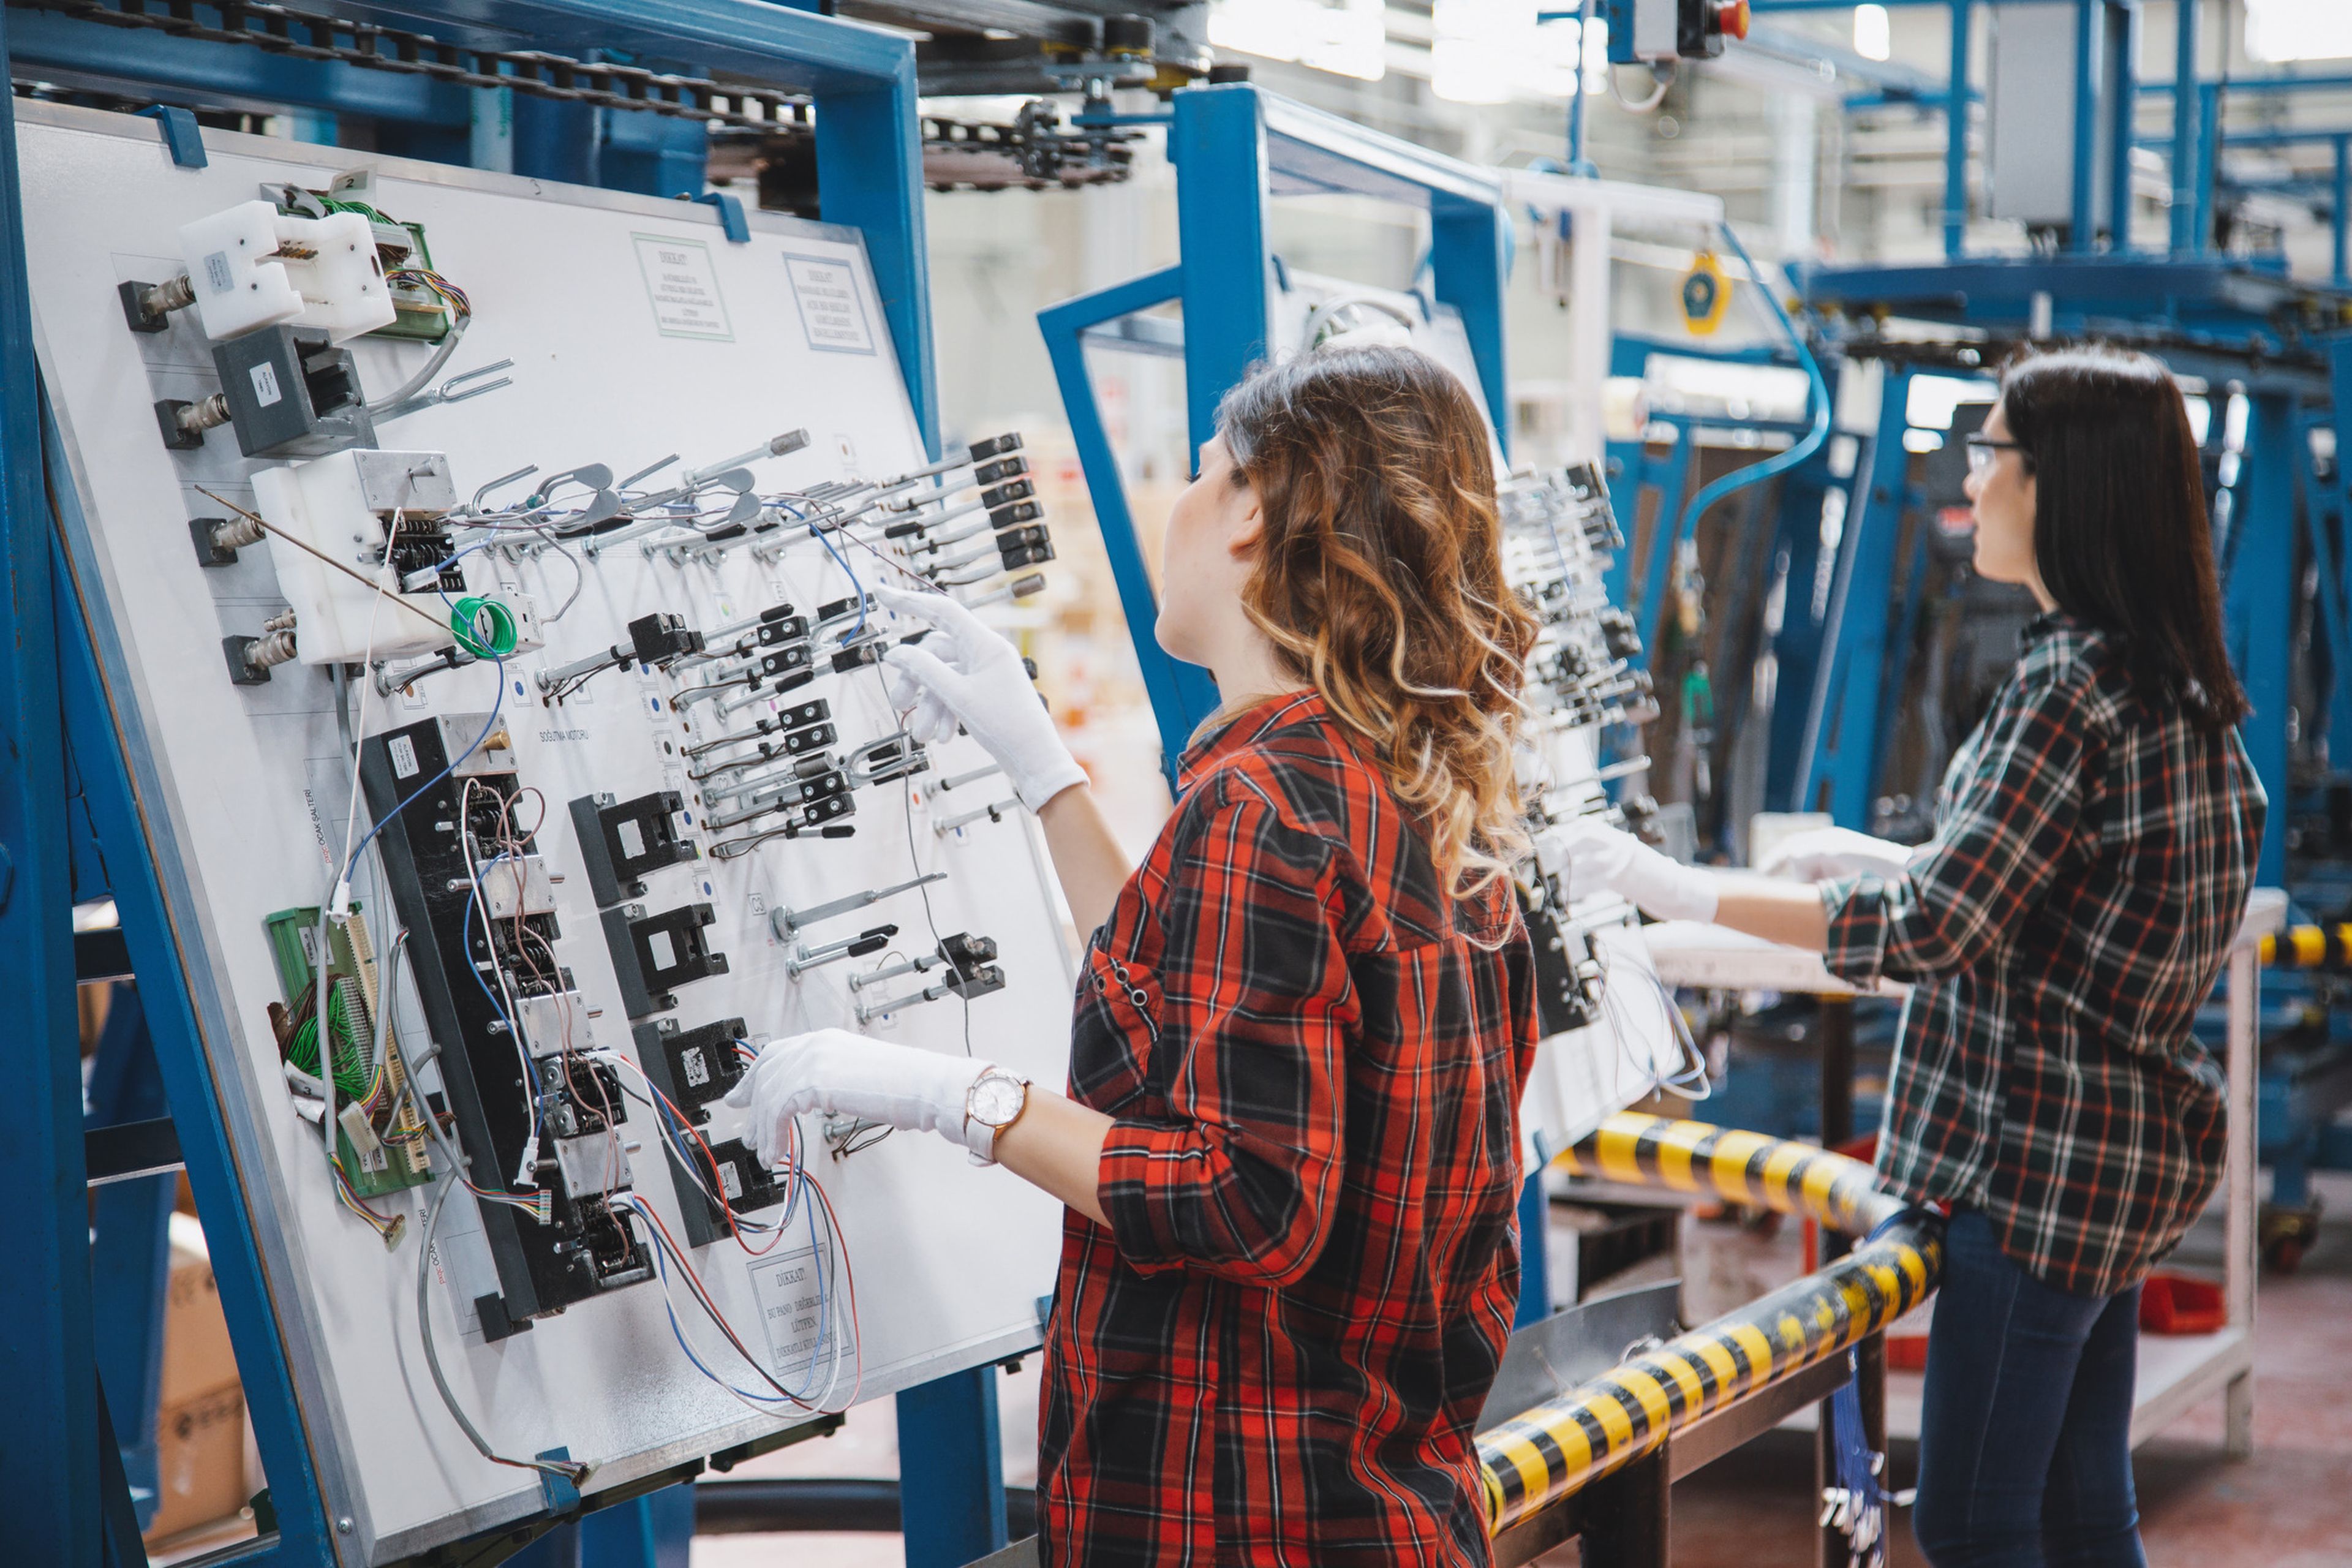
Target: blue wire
[
  {"x": 855, "y": 586},
  {"x": 495, "y": 704},
  {"x": 466, "y": 941},
  {"x": 1818, "y": 393}
]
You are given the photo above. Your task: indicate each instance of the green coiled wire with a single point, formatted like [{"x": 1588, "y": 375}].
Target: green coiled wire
[
  {"x": 353, "y": 1078},
  {"x": 483, "y": 626}
]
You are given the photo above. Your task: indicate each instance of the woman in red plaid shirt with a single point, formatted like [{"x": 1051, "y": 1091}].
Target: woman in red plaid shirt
[
  {"x": 2096, "y": 840},
  {"x": 1289, "y": 1148}
]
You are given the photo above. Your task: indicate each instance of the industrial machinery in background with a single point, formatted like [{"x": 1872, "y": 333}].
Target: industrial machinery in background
[{"x": 1872, "y": 646}]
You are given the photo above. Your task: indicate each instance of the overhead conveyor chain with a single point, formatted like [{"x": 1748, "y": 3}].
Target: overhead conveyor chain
[
  {"x": 1553, "y": 1451},
  {"x": 1035, "y": 150}
]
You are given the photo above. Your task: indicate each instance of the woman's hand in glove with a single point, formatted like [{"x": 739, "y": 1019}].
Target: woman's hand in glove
[
  {"x": 842, "y": 1074},
  {"x": 976, "y": 680},
  {"x": 1595, "y": 856},
  {"x": 1817, "y": 854}
]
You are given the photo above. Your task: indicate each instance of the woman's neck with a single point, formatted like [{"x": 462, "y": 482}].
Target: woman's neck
[{"x": 1248, "y": 672}]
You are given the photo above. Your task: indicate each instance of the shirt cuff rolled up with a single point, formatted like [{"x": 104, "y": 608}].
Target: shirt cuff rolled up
[{"x": 1855, "y": 950}]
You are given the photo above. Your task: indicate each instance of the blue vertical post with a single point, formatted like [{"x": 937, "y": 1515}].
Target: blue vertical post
[
  {"x": 2123, "y": 104},
  {"x": 1956, "y": 139},
  {"x": 1182, "y": 694},
  {"x": 869, "y": 174},
  {"x": 2323, "y": 509},
  {"x": 2185, "y": 103},
  {"x": 552, "y": 139},
  {"x": 129, "y": 1249},
  {"x": 1217, "y": 143},
  {"x": 45, "y": 1342},
  {"x": 1470, "y": 264},
  {"x": 950, "y": 1470},
  {"x": 2084, "y": 218},
  {"x": 2342, "y": 277},
  {"x": 1578, "y": 163},
  {"x": 2208, "y": 159},
  {"x": 2261, "y": 581},
  {"x": 1841, "y": 747},
  {"x": 653, "y": 154},
  {"x": 1535, "y": 1253},
  {"x": 655, "y": 1531}
]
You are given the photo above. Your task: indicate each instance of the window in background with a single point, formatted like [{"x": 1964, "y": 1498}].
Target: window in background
[
  {"x": 1346, "y": 36},
  {"x": 2281, "y": 30},
  {"x": 1874, "y": 34}
]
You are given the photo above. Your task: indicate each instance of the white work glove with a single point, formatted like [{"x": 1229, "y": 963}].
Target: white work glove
[
  {"x": 981, "y": 684},
  {"x": 842, "y": 1074},
  {"x": 1596, "y": 857},
  {"x": 1817, "y": 854}
]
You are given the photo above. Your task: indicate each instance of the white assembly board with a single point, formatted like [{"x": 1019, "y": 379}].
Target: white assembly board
[{"x": 245, "y": 790}]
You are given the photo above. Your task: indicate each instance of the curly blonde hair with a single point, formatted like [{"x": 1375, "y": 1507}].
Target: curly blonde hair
[{"x": 1380, "y": 582}]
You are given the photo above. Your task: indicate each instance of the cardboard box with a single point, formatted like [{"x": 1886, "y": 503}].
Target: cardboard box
[
  {"x": 200, "y": 1414},
  {"x": 200, "y": 1461}
]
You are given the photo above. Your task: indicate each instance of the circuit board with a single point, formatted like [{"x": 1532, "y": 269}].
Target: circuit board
[{"x": 671, "y": 813}]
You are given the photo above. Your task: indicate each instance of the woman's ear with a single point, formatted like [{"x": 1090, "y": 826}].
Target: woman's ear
[{"x": 1248, "y": 530}]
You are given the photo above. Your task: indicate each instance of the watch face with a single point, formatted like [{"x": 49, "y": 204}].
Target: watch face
[{"x": 997, "y": 1101}]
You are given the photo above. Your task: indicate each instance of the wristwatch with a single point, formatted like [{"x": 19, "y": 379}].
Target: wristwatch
[{"x": 994, "y": 1101}]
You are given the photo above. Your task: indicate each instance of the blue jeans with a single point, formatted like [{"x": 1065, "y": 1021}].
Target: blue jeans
[{"x": 2025, "y": 1435}]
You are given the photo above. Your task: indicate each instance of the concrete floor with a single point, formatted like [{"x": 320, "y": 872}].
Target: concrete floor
[{"x": 2285, "y": 1507}]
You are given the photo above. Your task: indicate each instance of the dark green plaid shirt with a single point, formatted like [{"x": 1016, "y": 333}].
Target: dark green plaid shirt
[{"x": 2090, "y": 867}]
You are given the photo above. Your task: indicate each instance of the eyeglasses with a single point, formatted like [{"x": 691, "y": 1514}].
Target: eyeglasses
[{"x": 1981, "y": 448}]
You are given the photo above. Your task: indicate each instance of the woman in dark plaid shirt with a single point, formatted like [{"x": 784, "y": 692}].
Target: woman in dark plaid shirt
[
  {"x": 1290, "y": 1147},
  {"x": 2096, "y": 841}
]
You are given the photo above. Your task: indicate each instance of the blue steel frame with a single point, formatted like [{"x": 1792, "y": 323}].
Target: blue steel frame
[
  {"x": 76, "y": 768},
  {"x": 1236, "y": 147}
]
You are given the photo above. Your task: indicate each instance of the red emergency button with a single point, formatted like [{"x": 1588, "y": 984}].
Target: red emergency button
[{"x": 1731, "y": 18}]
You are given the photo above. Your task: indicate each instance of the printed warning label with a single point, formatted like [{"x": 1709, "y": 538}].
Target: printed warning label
[
  {"x": 833, "y": 307},
  {"x": 791, "y": 1310},
  {"x": 683, "y": 284}
]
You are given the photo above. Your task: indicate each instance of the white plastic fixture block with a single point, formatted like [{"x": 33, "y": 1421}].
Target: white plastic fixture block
[
  {"x": 325, "y": 505},
  {"x": 252, "y": 267}
]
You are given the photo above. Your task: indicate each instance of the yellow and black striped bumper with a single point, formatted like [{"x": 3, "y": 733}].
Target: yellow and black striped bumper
[
  {"x": 1554, "y": 1450},
  {"x": 2309, "y": 947}
]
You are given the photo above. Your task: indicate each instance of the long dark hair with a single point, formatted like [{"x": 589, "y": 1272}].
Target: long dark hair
[{"x": 2120, "y": 534}]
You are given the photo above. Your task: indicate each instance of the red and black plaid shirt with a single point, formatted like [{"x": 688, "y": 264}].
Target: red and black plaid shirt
[
  {"x": 2090, "y": 867},
  {"x": 1277, "y": 1351}
]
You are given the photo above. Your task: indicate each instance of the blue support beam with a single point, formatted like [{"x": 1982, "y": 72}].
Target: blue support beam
[
  {"x": 47, "y": 1347},
  {"x": 1182, "y": 694},
  {"x": 131, "y": 1250},
  {"x": 1535, "y": 1253},
  {"x": 227, "y": 76},
  {"x": 1218, "y": 144},
  {"x": 1955, "y": 137},
  {"x": 2187, "y": 165},
  {"x": 2122, "y": 104},
  {"x": 2080, "y": 237},
  {"x": 950, "y": 1470},
  {"x": 1840, "y": 754},
  {"x": 2261, "y": 585}
]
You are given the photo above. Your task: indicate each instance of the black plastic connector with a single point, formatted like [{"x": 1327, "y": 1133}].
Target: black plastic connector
[
  {"x": 661, "y": 638},
  {"x": 619, "y": 843},
  {"x": 651, "y": 953},
  {"x": 692, "y": 1068}
]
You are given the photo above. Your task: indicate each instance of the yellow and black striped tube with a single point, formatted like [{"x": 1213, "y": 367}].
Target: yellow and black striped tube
[
  {"x": 2309, "y": 947},
  {"x": 1563, "y": 1445}
]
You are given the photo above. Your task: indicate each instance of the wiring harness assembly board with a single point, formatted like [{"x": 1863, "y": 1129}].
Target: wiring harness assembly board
[{"x": 484, "y": 571}]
